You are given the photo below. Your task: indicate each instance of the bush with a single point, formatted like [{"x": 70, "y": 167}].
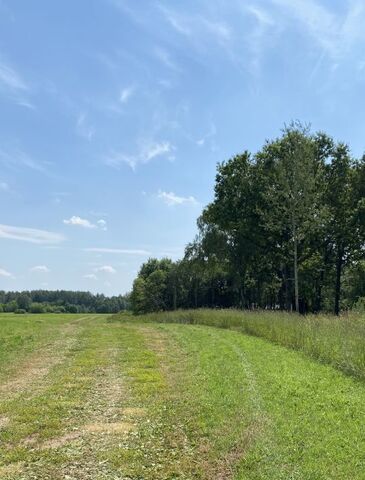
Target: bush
[
  {"x": 11, "y": 306},
  {"x": 71, "y": 308},
  {"x": 20, "y": 311},
  {"x": 360, "y": 305},
  {"x": 37, "y": 308}
]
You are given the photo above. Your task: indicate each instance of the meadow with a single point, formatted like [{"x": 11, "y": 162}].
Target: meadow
[
  {"x": 337, "y": 340},
  {"x": 170, "y": 396}
]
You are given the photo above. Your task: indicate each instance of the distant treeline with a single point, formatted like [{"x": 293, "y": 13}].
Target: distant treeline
[
  {"x": 286, "y": 230},
  {"x": 61, "y": 301}
]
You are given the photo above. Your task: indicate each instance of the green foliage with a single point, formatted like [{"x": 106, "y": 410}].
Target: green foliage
[
  {"x": 20, "y": 311},
  {"x": 61, "y": 301},
  {"x": 150, "y": 290},
  {"x": 24, "y": 301},
  {"x": 37, "y": 308},
  {"x": 285, "y": 231}
]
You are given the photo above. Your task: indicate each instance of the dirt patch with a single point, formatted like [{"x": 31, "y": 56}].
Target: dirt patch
[
  {"x": 4, "y": 421},
  {"x": 59, "y": 442},
  {"x": 11, "y": 469},
  {"x": 30, "y": 440},
  {"x": 133, "y": 411},
  {"x": 110, "y": 428}
]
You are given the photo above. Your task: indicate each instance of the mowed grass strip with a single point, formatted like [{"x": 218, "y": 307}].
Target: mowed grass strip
[
  {"x": 58, "y": 407},
  {"x": 169, "y": 401},
  {"x": 234, "y": 406},
  {"x": 21, "y": 335},
  {"x": 338, "y": 341}
]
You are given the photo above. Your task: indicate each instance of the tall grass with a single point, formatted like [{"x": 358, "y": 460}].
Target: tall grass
[{"x": 339, "y": 341}]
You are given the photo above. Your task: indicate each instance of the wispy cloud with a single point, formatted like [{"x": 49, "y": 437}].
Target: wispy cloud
[
  {"x": 106, "y": 269},
  {"x": 198, "y": 26},
  {"x": 165, "y": 57},
  {"x": 126, "y": 94},
  {"x": 83, "y": 128},
  {"x": 10, "y": 79},
  {"x": 209, "y": 135},
  {"x": 4, "y": 187},
  {"x": 5, "y": 273},
  {"x": 123, "y": 251},
  {"x": 147, "y": 152},
  {"x": 31, "y": 235},
  {"x": 91, "y": 276},
  {"x": 335, "y": 33},
  {"x": 40, "y": 269},
  {"x": 102, "y": 224},
  {"x": 18, "y": 159},
  {"x": 13, "y": 86},
  {"x": 171, "y": 199},
  {"x": 77, "y": 221}
]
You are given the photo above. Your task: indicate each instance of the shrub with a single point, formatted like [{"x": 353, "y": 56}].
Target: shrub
[
  {"x": 37, "y": 308},
  {"x": 20, "y": 311},
  {"x": 360, "y": 305}
]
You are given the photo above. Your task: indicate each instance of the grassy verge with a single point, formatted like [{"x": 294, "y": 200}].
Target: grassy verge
[
  {"x": 339, "y": 341},
  {"x": 132, "y": 400},
  {"x": 221, "y": 405}
]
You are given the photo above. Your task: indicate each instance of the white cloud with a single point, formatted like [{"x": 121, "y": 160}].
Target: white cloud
[
  {"x": 17, "y": 158},
  {"x": 155, "y": 150},
  {"x": 211, "y": 134},
  {"x": 79, "y": 222},
  {"x": 336, "y": 34},
  {"x": 172, "y": 199},
  {"x": 198, "y": 26},
  {"x": 126, "y": 94},
  {"x": 5, "y": 273},
  {"x": 148, "y": 151},
  {"x": 91, "y": 276},
  {"x": 106, "y": 269},
  {"x": 83, "y": 128},
  {"x": 165, "y": 57},
  {"x": 32, "y": 235},
  {"x": 123, "y": 251},
  {"x": 13, "y": 86},
  {"x": 10, "y": 78},
  {"x": 102, "y": 224},
  {"x": 40, "y": 268}
]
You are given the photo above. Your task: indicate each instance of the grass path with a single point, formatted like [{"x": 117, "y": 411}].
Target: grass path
[{"x": 93, "y": 399}]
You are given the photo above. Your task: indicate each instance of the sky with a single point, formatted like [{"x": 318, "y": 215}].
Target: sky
[{"x": 115, "y": 113}]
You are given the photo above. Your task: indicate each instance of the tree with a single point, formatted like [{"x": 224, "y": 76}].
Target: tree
[
  {"x": 292, "y": 197},
  {"x": 24, "y": 301},
  {"x": 345, "y": 209}
]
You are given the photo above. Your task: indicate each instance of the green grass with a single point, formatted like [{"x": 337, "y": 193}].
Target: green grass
[
  {"x": 190, "y": 401},
  {"x": 338, "y": 341}
]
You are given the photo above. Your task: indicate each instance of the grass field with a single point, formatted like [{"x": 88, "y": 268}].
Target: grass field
[{"x": 89, "y": 397}]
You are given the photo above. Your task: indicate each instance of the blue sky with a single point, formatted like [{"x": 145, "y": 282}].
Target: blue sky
[{"x": 114, "y": 114}]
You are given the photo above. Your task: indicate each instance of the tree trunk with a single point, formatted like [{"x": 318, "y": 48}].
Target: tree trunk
[{"x": 339, "y": 265}]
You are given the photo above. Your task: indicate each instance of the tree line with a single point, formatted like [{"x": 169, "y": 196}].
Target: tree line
[
  {"x": 286, "y": 230},
  {"x": 61, "y": 301}
]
